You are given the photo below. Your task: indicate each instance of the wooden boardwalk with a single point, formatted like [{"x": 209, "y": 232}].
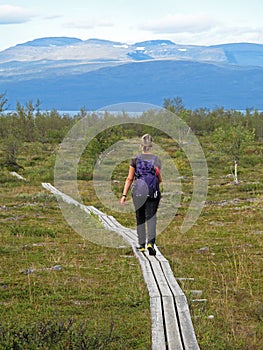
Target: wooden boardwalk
[{"x": 172, "y": 327}]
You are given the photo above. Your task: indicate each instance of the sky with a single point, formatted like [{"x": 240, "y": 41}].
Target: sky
[{"x": 195, "y": 22}]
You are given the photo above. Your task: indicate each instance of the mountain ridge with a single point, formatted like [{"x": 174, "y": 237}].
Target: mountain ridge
[
  {"x": 58, "y": 47},
  {"x": 69, "y": 73}
]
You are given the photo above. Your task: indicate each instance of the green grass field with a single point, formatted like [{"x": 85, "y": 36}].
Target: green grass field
[{"x": 60, "y": 291}]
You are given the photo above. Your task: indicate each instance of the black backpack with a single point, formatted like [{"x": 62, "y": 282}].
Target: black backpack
[{"x": 146, "y": 180}]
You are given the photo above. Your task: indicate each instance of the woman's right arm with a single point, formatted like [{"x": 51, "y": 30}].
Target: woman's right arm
[{"x": 127, "y": 185}]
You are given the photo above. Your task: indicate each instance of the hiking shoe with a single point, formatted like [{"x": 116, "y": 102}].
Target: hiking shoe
[
  {"x": 141, "y": 248},
  {"x": 151, "y": 249}
]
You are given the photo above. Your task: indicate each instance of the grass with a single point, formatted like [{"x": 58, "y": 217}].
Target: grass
[
  {"x": 97, "y": 298},
  {"x": 96, "y": 285}
]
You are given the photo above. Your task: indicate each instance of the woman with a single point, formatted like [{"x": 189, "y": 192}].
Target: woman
[{"x": 145, "y": 168}]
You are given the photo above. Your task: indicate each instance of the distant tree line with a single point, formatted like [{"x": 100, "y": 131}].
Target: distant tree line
[
  {"x": 29, "y": 124},
  {"x": 204, "y": 121},
  {"x": 231, "y": 131}
]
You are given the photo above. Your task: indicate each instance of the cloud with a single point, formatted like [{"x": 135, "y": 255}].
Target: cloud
[
  {"x": 200, "y": 29},
  {"x": 218, "y": 35},
  {"x": 51, "y": 17},
  {"x": 88, "y": 24},
  {"x": 15, "y": 15},
  {"x": 239, "y": 34},
  {"x": 178, "y": 23}
]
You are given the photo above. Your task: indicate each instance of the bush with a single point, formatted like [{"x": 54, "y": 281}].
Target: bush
[
  {"x": 53, "y": 334},
  {"x": 32, "y": 231}
]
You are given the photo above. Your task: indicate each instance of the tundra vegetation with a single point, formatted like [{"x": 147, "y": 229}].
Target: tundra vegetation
[{"x": 60, "y": 291}]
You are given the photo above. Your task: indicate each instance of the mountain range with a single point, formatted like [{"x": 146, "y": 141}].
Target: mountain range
[{"x": 69, "y": 73}]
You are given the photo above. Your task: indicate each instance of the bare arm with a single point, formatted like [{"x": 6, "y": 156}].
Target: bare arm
[
  {"x": 160, "y": 179},
  {"x": 127, "y": 185},
  {"x": 159, "y": 174}
]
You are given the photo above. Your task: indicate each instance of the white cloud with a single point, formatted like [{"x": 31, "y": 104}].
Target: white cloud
[
  {"x": 51, "y": 17},
  {"x": 200, "y": 29},
  {"x": 14, "y": 14},
  {"x": 178, "y": 23},
  {"x": 241, "y": 34},
  {"x": 88, "y": 24},
  {"x": 218, "y": 35}
]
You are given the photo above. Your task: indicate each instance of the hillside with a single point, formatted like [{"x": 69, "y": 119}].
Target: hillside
[
  {"x": 95, "y": 73},
  {"x": 199, "y": 84}
]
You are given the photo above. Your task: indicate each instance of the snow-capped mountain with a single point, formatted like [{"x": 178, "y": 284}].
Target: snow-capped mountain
[{"x": 228, "y": 75}]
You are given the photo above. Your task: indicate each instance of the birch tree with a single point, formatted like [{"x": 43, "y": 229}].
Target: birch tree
[
  {"x": 3, "y": 102},
  {"x": 231, "y": 141}
]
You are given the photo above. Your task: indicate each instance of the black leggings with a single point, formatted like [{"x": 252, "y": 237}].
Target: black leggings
[{"x": 146, "y": 214}]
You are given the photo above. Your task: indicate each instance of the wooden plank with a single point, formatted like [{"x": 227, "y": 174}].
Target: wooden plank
[
  {"x": 188, "y": 333},
  {"x": 171, "y": 324},
  {"x": 159, "y": 276},
  {"x": 147, "y": 274},
  {"x": 109, "y": 226},
  {"x": 159, "y": 255},
  {"x": 158, "y": 334},
  {"x": 189, "y": 338},
  {"x": 171, "y": 279},
  {"x": 184, "y": 279},
  {"x": 58, "y": 193},
  {"x": 123, "y": 230},
  {"x": 169, "y": 311}
]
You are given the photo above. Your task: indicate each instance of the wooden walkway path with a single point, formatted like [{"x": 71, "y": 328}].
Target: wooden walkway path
[{"x": 172, "y": 327}]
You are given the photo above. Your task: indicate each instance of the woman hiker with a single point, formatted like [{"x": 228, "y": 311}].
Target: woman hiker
[{"x": 145, "y": 175}]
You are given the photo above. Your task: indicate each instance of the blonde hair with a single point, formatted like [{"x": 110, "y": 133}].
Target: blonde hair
[{"x": 146, "y": 142}]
